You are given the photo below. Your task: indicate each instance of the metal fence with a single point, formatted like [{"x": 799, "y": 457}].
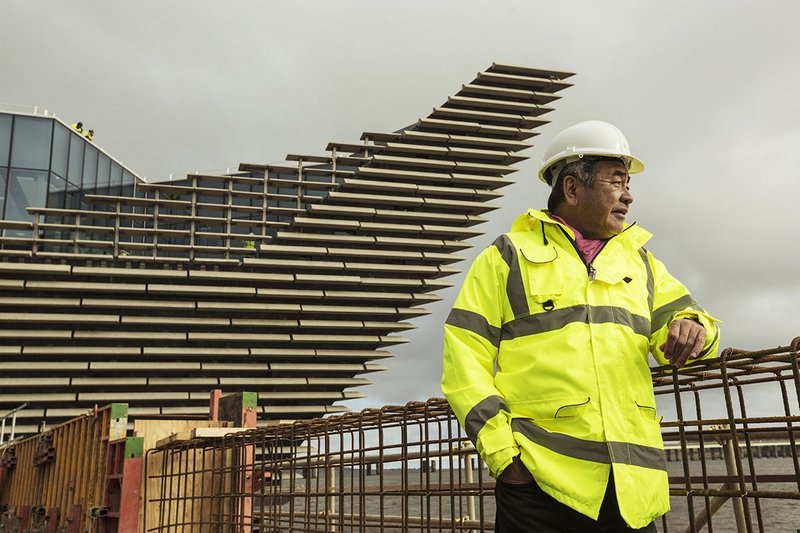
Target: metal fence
[
  {"x": 390, "y": 469},
  {"x": 12, "y": 414},
  {"x": 734, "y": 441},
  {"x": 730, "y": 435}
]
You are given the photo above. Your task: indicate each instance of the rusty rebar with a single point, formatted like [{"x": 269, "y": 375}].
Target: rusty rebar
[{"x": 733, "y": 437}]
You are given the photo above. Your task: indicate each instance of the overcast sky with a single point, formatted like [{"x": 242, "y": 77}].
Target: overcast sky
[{"x": 708, "y": 94}]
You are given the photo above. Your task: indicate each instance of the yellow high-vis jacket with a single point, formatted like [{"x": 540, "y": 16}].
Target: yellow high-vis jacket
[{"x": 545, "y": 357}]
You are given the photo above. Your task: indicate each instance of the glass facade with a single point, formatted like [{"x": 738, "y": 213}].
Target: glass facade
[
  {"x": 25, "y": 188},
  {"x": 43, "y": 163}
]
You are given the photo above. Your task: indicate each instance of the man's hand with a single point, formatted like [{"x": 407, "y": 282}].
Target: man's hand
[
  {"x": 685, "y": 340},
  {"x": 516, "y": 473}
]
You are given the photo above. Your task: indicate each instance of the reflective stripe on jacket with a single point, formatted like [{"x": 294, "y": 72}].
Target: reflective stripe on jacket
[{"x": 546, "y": 357}]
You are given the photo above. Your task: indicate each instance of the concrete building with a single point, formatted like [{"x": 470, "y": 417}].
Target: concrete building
[{"x": 292, "y": 280}]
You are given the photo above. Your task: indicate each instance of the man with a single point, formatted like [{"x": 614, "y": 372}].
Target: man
[{"x": 545, "y": 357}]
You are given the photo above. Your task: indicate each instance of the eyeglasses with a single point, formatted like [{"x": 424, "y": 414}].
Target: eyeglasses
[{"x": 617, "y": 185}]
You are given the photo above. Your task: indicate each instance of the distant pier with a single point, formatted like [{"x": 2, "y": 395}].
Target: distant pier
[{"x": 715, "y": 451}]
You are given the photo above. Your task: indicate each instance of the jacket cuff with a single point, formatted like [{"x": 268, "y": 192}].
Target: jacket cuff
[
  {"x": 499, "y": 460},
  {"x": 709, "y": 323}
]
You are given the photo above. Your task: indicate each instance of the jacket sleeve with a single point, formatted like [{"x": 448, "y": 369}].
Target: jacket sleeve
[
  {"x": 471, "y": 342},
  {"x": 672, "y": 301}
]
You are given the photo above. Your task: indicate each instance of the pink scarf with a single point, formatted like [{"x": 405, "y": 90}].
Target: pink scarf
[{"x": 589, "y": 248}]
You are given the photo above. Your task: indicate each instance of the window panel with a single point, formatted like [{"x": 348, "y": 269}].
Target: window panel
[
  {"x": 116, "y": 178},
  {"x": 128, "y": 183},
  {"x": 76, "y": 145},
  {"x": 89, "y": 170},
  {"x": 103, "y": 167},
  {"x": 57, "y": 191},
  {"x": 30, "y": 147},
  {"x": 60, "y": 151},
  {"x": 5, "y": 139},
  {"x": 3, "y": 175},
  {"x": 73, "y": 200},
  {"x": 26, "y": 188},
  {"x": 127, "y": 178}
]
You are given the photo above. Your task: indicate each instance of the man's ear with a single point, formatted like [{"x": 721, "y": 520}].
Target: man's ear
[{"x": 571, "y": 185}]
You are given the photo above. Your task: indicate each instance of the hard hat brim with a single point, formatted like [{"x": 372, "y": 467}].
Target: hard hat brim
[
  {"x": 593, "y": 138},
  {"x": 634, "y": 164}
]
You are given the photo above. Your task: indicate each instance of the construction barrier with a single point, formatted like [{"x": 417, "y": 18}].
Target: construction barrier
[
  {"x": 85, "y": 475},
  {"x": 78, "y": 476}
]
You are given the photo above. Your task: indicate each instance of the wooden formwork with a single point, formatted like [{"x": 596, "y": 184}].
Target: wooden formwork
[
  {"x": 153, "y": 431},
  {"x": 211, "y": 497},
  {"x": 59, "y": 477},
  {"x": 205, "y": 501}
]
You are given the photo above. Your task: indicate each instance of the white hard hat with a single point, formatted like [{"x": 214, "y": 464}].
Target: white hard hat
[{"x": 589, "y": 138}]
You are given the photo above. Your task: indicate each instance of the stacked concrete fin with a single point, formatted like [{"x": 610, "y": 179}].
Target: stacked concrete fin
[{"x": 286, "y": 279}]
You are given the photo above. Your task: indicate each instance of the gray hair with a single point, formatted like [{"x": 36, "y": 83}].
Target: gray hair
[{"x": 583, "y": 169}]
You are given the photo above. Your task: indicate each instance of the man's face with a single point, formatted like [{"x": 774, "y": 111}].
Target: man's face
[{"x": 602, "y": 207}]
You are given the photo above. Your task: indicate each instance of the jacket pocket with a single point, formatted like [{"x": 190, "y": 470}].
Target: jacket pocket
[
  {"x": 648, "y": 413},
  {"x": 549, "y": 409},
  {"x": 543, "y": 277},
  {"x": 567, "y": 415},
  {"x": 647, "y": 426}
]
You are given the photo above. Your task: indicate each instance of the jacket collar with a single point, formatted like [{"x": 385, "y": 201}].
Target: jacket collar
[{"x": 633, "y": 235}]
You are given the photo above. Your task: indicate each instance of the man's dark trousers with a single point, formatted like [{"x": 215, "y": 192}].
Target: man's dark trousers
[{"x": 527, "y": 508}]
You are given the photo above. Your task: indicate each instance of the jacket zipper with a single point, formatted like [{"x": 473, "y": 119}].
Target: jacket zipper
[{"x": 592, "y": 273}]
